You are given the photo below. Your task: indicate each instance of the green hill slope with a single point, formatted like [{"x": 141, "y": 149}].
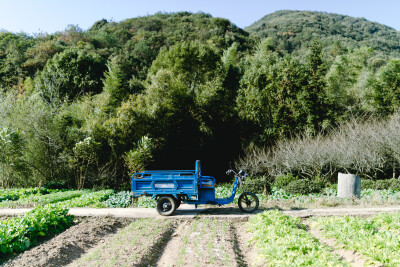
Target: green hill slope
[{"x": 294, "y": 30}]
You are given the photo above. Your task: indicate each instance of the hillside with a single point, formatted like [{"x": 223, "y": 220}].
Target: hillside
[
  {"x": 90, "y": 107},
  {"x": 295, "y": 30}
]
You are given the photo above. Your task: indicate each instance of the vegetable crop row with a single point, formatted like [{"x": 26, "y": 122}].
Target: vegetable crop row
[
  {"x": 34, "y": 200},
  {"x": 18, "y": 193},
  {"x": 282, "y": 241},
  {"x": 369, "y": 237},
  {"x": 92, "y": 199},
  {"x": 18, "y": 234}
]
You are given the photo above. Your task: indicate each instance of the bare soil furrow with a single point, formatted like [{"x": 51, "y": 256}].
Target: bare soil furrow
[
  {"x": 69, "y": 245},
  {"x": 201, "y": 242},
  {"x": 246, "y": 253},
  {"x": 138, "y": 244}
]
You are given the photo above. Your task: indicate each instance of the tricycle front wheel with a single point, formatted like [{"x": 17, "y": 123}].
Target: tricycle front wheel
[
  {"x": 248, "y": 202},
  {"x": 166, "y": 206}
]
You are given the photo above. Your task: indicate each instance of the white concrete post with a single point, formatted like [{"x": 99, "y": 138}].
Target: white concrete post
[{"x": 349, "y": 185}]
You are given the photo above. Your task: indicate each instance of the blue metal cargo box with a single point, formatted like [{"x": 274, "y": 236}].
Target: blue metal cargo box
[{"x": 165, "y": 182}]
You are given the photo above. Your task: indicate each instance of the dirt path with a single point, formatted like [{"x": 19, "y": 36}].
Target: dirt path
[
  {"x": 188, "y": 212},
  {"x": 69, "y": 245}
]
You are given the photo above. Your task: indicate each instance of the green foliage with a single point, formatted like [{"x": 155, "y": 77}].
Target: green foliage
[
  {"x": 304, "y": 187},
  {"x": 138, "y": 158},
  {"x": 15, "y": 193},
  {"x": 87, "y": 199},
  {"x": 69, "y": 74},
  {"x": 388, "y": 184},
  {"x": 84, "y": 155},
  {"x": 362, "y": 235},
  {"x": 293, "y": 31},
  {"x": 258, "y": 185},
  {"x": 11, "y": 156},
  {"x": 77, "y": 104},
  {"x": 282, "y": 240},
  {"x": 21, "y": 233},
  {"x": 119, "y": 200},
  {"x": 387, "y": 87},
  {"x": 37, "y": 199},
  {"x": 283, "y": 180}
]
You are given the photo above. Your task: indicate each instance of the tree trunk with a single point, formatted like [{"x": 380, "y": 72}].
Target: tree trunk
[{"x": 349, "y": 185}]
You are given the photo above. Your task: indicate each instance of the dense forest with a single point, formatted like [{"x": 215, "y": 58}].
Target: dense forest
[{"x": 87, "y": 108}]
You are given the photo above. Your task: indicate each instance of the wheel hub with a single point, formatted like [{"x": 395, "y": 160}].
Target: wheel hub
[{"x": 166, "y": 206}]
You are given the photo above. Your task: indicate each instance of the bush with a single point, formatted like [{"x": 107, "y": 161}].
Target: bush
[
  {"x": 55, "y": 185},
  {"x": 390, "y": 184},
  {"x": 368, "y": 147},
  {"x": 258, "y": 185},
  {"x": 367, "y": 184},
  {"x": 283, "y": 180},
  {"x": 387, "y": 184},
  {"x": 304, "y": 187}
]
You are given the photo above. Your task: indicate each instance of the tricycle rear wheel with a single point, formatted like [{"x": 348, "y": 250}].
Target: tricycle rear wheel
[
  {"x": 248, "y": 202},
  {"x": 166, "y": 206}
]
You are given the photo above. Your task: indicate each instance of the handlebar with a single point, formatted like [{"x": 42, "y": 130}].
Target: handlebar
[{"x": 241, "y": 174}]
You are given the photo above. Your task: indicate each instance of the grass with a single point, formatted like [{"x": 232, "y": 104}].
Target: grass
[
  {"x": 367, "y": 236},
  {"x": 283, "y": 241}
]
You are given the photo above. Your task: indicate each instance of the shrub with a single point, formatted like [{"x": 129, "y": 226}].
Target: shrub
[
  {"x": 304, "y": 187},
  {"x": 55, "y": 185},
  {"x": 258, "y": 185},
  {"x": 367, "y": 184},
  {"x": 369, "y": 147},
  {"x": 387, "y": 184},
  {"x": 283, "y": 180},
  {"x": 390, "y": 184}
]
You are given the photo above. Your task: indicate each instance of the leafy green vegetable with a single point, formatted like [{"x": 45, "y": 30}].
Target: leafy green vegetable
[
  {"x": 34, "y": 200},
  {"x": 365, "y": 236},
  {"x": 20, "y": 233},
  {"x": 119, "y": 200},
  {"x": 282, "y": 241},
  {"x": 92, "y": 199}
]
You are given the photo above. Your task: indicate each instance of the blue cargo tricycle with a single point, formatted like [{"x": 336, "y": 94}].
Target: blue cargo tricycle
[{"x": 172, "y": 187}]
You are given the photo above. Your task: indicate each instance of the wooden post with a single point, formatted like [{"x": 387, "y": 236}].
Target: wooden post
[{"x": 349, "y": 185}]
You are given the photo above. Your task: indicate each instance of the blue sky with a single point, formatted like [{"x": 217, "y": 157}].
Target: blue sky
[{"x": 34, "y": 16}]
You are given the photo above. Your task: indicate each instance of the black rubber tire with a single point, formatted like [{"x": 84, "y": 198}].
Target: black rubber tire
[
  {"x": 248, "y": 202},
  {"x": 166, "y": 206},
  {"x": 178, "y": 202}
]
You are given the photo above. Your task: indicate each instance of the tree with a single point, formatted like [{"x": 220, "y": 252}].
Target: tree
[
  {"x": 75, "y": 71},
  {"x": 314, "y": 101},
  {"x": 84, "y": 156},
  {"x": 11, "y": 160},
  {"x": 386, "y": 88},
  {"x": 138, "y": 158}
]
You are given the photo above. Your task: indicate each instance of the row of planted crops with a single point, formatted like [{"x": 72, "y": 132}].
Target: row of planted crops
[
  {"x": 50, "y": 215},
  {"x": 280, "y": 240},
  {"x": 286, "y": 241}
]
